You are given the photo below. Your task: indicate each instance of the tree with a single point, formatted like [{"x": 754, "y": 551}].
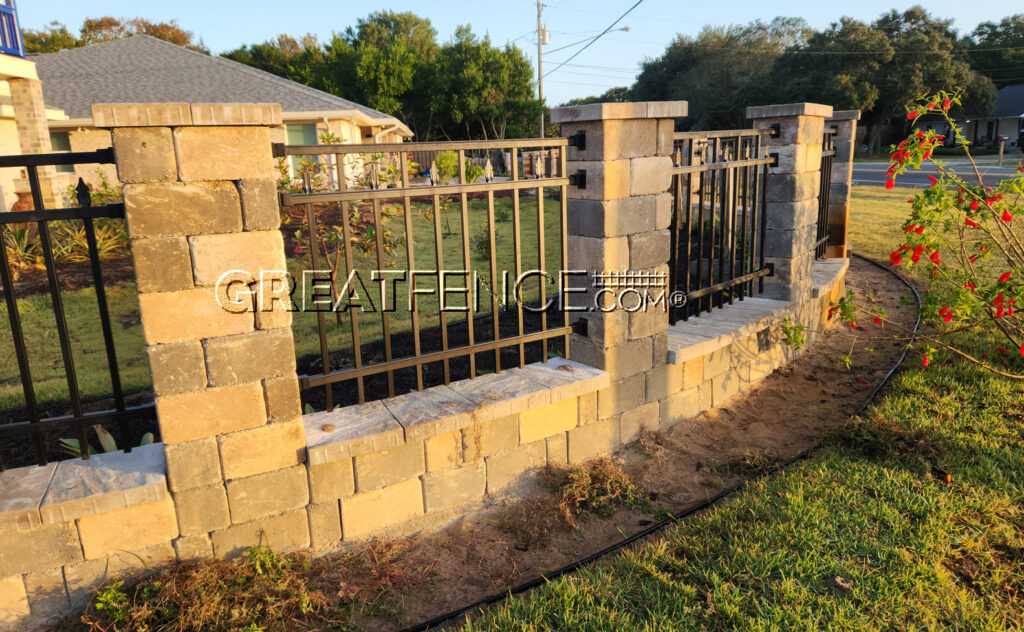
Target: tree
[
  {"x": 997, "y": 50},
  {"x": 56, "y": 36},
  {"x": 719, "y": 71},
  {"x": 618, "y": 94}
]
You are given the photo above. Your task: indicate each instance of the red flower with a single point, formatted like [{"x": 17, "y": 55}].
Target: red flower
[
  {"x": 924, "y": 362},
  {"x": 1022, "y": 350},
  {"x": 972, "y": 258},
  {"x": 853, "y": 325},
  {"x": 927, "y": 155},
  {"x": 919, "y": 230},
  {"x": 934, "y": 181},
  {"x": 945, "y": 104},
  {"x": 974, "y": 205},
  {"x": 970, "y": 286},
  {"x": 1007, "y": 217},
  {"x": 1004, "y": 277},
  {"x": 984, "y": 356},
  {"x": 912, "y": 115},
  {"x": 890, "y": 183},
  {"x": 895, "y": 258},
  {"x": 948, "y": 317},
  {"x": 970, "y": 222},
  {"x": 998, "y": 300},
  {"x": 909, "y": 228},
  {"x": 935, "y": 258},
  {"x": 1009, "y": 311},
  {"x": 917, "y": 254},
  {"x": 1000, "y": 311},
  {"x": 877, "y": 320},
  {"x": 1001, "y": 350}
]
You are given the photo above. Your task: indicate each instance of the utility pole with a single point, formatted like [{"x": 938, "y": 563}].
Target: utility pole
[{"x": 540, "y": 67}]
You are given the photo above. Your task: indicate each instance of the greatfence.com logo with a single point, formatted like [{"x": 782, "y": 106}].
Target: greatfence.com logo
[{"x": 449, "y": 290}]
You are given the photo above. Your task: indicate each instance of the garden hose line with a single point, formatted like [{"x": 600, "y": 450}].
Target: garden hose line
[{"x": 689, "y": 511}]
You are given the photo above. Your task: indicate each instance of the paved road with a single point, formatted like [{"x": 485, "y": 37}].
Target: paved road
[{"x": 873, "y": 174}]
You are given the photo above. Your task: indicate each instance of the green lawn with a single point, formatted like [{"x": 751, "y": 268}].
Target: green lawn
[{"x": 876, "y": 215}]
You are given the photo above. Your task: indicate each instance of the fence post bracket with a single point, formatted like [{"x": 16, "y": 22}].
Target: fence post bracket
[{"x": 578, "y": 179}]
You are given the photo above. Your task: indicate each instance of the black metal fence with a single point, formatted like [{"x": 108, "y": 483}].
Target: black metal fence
[
  {"x": 828, "y": 151},
  {"x": 33, "y": 431},
  {"x": 718, "y": 218},
  {"x": 478, "y": 213}
]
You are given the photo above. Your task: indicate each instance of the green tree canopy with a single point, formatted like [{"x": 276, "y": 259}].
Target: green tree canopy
[{"x": 996, "y": 50}]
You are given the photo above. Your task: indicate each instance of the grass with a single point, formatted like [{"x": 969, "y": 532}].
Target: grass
[
  {"x": 47, "y": 364},
  {"x": 876, "y": 217}
]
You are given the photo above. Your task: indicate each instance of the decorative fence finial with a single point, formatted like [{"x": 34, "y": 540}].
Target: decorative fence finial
[{"x": 82, "y": 193}]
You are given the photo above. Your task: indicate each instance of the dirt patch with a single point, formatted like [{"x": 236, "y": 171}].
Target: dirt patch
[
  {"x": 73, "y": 276},
  {"x": 515, "y": 541}
]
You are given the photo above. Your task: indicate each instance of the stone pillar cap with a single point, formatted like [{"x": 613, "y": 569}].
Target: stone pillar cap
[
  {"x": 110, "y": 115},
  {"x": 845, "y": 115},
  {"x": 609, "y": 111},
  {"x": 789, "y": 109}
]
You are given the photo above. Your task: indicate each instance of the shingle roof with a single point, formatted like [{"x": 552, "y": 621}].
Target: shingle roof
[
  {"x": 144, "y": 69},
  {"x": 1009, "y": 102}
]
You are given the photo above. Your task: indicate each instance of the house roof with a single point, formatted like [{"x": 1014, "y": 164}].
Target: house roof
[
  {"x": 144, "y": 69},
  {"x": 1009, "y": 102}
]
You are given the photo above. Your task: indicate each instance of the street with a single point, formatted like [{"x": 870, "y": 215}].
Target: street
[{"x": 873, "y": 173}]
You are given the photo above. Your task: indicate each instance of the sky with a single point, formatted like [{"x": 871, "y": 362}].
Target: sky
[{"x": 612, "y": 60}]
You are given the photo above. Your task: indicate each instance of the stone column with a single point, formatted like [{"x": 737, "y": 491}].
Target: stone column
[
  {"x": 791, "y": 193},
  {"x": 619, "y": 223},
  {"x": 200, "y": 200},
  {"x": 845, "y": 122},
  {"x": 33, "y": 134}
]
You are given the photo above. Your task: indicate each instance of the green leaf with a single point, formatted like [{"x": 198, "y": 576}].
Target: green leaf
[{"x": 106, "y": 439}]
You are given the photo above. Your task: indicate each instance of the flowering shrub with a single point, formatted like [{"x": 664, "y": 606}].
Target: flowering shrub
[{"x": 967, "y": 236}]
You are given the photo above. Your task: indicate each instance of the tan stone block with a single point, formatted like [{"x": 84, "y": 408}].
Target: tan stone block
[
  {"x": 260, "y": 210},
  {"x": 13, "y": 602},
  {"x": 621, "y": 396},
  {"x": 325, "y": 524},
  {"x": 47, "y": 595},
  {"x": 267, "y": 494},
  {"x": 644, "y": 417},
  {"x": 283, "y": 400},
  {"x": 543, "y": 422},
  {"x": 598, "y": 254},
  {"x": 144, "y": 154},
  {"x": 367, "y": 513},
  {"x": 331, "y": 481},
  {"x": 455, "y": 486},
  {"x": 444, "y": 451},
  {"x": 261, "y": 114},
  {"x": 666, "y": 141},
  {"x": 223, "y": 153},
  {"x": 651, "y": 175},
  {"x": 128, "y": 529},
  {"x": 211, "y": 412},
  {"x": 162, "y": 264},
  {"x": 257, "y": 253},
  {"x": 679, "y": 406},
  {"x": 141, "y": 114},
  {"x": 557, "y": 449},
  {"x": 189, "y": 315},
  {"x": 387, "y": 467},
  {"x": 39, "y": 549},
  {"x": 593, "y": 440},
  {"x": 506, "y": 468},
  {"x": 250, "y": 357},
  {"x": 587, "y": 407},
  {"x": 648, "y": 322},
  {"x": 193, "y": 548},
  {"x": 725, "y": 386},
  {"x": 202, "y": 510},
  {"x": 490, "y": 437},
  {"x": 614, "y": 139},
  {"x": 717, "y": 362},
  {"x": 263, "y": 449},
  {"x": 693, "y": 372},
  {"x": 651, "y": 249},
  {"x": 664, "y": 381},
  {"x": 178, "y": 367},
  {"x": 606, "y": 180},
  {"x": 282, "y": 534},
  {"x": 165, "y": 209},
  {"x": 624, "y": 360},
  {"x": 192, "y": 464}
]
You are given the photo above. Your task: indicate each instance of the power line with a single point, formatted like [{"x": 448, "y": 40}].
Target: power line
[{"x": 617, "y": 20}]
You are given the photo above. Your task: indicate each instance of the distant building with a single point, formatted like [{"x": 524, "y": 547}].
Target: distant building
[{"x": 1006, "y": 119}]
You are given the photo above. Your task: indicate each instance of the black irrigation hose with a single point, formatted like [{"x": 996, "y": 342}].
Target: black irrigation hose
[{"x": 689, "y": 511}]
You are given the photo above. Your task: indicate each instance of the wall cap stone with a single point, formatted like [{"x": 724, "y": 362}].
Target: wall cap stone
[
  {"x": 826, "y": 274},
  {"x": 607, "y": 111},
  {"x": 21, "y": 492},
  {"x": 789, "y": 109},
  {"x": 108, "y": 115},
  {"x": 264, "y": 114},
  {"x": 845, "y": 115},
  {"x": 703, "y": 335}
]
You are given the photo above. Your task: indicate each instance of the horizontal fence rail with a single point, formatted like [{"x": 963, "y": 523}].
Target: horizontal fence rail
[
  {"x": 828, "y": 152},
  {"x": 718, "y": 218},
  {"x": 34, "y": 227},
  {"x": 483, "y": 209}
]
